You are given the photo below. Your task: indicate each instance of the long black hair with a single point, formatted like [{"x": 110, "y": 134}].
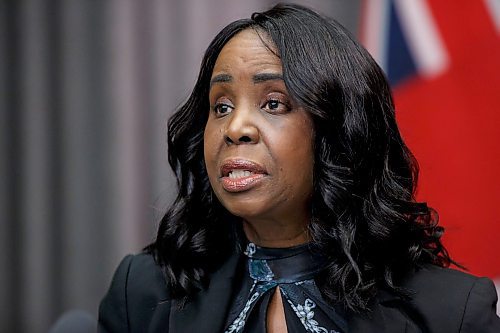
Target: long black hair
[{"x": 365, "y": 218}]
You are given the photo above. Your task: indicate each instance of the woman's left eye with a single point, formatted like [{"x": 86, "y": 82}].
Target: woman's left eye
[{"x": 275, "y": 105}]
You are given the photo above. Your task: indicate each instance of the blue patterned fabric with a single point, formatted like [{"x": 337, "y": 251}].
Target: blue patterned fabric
[{"x": 293, "y": 271}]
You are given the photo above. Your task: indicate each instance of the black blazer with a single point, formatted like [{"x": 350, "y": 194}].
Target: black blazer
[{"x": 445, "y": 301}]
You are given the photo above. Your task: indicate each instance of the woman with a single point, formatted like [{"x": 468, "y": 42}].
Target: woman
[{"x": 295, "y": 210}]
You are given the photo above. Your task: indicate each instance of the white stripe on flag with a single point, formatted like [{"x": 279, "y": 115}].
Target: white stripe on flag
[
  {"x": 375, "y": 26},
  {"x": 493, "y": 7},
  {"x": 423, "y": 36}
]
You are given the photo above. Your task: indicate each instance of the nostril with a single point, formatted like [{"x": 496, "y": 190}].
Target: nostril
[
  {"x": 228, "y": 140},
  {"x": 245, "y": 138}
]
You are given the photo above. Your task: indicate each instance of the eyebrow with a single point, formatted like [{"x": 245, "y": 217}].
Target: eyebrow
[
  {"x": 221, "y": 78},
  {"x": 257, "y": 78},
  {"x": 263, "y": 77}
]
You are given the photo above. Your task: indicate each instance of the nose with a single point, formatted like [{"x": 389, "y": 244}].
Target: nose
[{"x": 241, "y": 128}]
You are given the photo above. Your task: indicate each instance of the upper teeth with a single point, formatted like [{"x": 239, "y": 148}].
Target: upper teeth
[{"x": 239, "y": 174}]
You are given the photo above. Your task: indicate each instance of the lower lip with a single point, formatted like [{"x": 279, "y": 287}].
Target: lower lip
[{"x": 241, "y": 184}]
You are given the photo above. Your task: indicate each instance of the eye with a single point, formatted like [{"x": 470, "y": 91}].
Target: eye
[
  {"x": 276, "y": 106},
  {"x": 273, "y": 104},
  {"x": 222, "y": 109}
]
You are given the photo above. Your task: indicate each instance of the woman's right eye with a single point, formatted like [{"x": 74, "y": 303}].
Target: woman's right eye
[{"x": 222, "y": 109}]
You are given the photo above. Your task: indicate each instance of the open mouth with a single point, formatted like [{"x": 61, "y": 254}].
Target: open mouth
[
  {"x": 235, "y": 174},
  {"x": 240, "y": 175},
  {"x": 239, "y": 168}
]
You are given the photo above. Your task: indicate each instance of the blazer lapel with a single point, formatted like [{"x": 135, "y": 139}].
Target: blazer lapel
[{"x": 207, "y": 311}]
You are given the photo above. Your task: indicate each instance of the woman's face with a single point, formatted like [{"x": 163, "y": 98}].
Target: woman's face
[{"x": 258, "y": 143}]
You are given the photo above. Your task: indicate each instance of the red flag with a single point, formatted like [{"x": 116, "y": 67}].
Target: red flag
[{"x": 447, "y": 93}]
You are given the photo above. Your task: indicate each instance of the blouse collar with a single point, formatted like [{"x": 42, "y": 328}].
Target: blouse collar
[{"x": 284, "y": 265}]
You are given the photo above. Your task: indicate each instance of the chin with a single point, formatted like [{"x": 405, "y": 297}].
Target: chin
[{"x": 246, "y": 209}]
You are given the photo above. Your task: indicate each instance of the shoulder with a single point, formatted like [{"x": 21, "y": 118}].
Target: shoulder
[
  {"x": 446, "y": 285},
  {"x": 137, "y": 287},
  {"x": 431, "y": 281},
  {"x": 446, "y": 298}
]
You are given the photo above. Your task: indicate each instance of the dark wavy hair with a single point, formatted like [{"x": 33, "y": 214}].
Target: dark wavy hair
[{"x": 365, "y": 218}]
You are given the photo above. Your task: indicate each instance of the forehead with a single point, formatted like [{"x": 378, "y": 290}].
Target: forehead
[{"x": 247, "y": 51}]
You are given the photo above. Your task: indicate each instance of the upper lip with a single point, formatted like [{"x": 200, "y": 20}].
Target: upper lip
[{"x": 241, "y": 164}]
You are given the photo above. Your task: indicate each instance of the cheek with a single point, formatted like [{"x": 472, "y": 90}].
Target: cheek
[
  {"x": 211, "y": 146},
  {"x": 304, "y": 157},
  {"x": 208, "y": 147},
  {"x": 300, "y": 142},
  {"x": 295, "y": 155},
  {"x": 302, "y": 162}
]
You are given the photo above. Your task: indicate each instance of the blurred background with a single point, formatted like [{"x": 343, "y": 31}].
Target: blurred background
[{"x": 86, "y": 88}]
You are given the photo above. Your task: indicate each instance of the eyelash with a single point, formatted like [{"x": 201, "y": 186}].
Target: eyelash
[
  {"x": 216, "y": 108},
  {"x": 279, "y": 101}
]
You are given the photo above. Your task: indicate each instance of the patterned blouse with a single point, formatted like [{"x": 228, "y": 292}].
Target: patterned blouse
[{"x": 292, "y": 270}]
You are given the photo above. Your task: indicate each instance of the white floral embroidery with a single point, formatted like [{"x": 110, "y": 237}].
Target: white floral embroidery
[
  {"x": 306, "y": 315},
  {"x": 250, "y": 249},
  {"x": 239, "y": 322},
  {"x": 298, "y": 283}
]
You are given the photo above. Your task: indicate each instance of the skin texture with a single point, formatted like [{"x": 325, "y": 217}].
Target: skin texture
[
  {"x": 253, "y": 118},
  {"x": 276, "y": 322}
]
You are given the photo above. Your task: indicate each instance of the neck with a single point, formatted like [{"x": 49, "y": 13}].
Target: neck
[{"x": 274, "y": 234}]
